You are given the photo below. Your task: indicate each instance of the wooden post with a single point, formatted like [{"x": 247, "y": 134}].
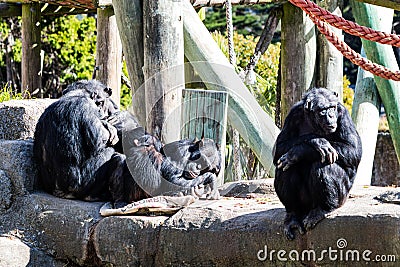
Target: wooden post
[
  {"x": 389, "y": 91},
  {"x": 329, "y": 72},
  {"x": 244, "y": 113},
  {"x": 298, "y": 55},
  {"x": 31, "y": 45},
  {"x": 109, "y": 52},
  {"x": 129, "y": 18},
  {"x": 163, "y": 67},
  {"x": 365, "y": 114}
]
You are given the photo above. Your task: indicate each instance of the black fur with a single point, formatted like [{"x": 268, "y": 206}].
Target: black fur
[
  {"x": 79, "y": 152},
  {"x": 73, "y": 144},
  {"x": 179, "y": 166},
  {"x": 316, "y": 157}
]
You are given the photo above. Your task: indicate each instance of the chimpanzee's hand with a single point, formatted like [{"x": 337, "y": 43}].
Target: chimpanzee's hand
[
  {"x": 325, "y": 149},
  {"x": 113, "y": 138},
  {"x": 286, "y": 160}
]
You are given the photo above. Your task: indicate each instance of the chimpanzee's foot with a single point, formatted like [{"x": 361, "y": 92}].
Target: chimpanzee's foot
[
  {"x": 314, "y": 217},
  {"x": 290, "y": 224}
]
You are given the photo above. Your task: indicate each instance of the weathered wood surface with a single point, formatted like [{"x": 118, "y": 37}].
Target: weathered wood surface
[
  {"x": 204, "y": 114},
  {"x": 89, "y": 5},
  {"x": 197, "y": 3},
  {"x": 109, "y": 52},
  {"x": 163, "y": 67},
  {"x": 365, "y": 114},
  {"x": 31, "y": 44},
  {"x": 329, "y": 72},
  {"x": 244, "y": 113},
  {"x": 298, "y": 56},
  {"x": 389, "y": 91},
  {"x": 129, "y": 17}
]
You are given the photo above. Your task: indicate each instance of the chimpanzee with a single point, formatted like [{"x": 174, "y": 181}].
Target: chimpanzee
[
  {"x": 316, "y": 157},
  {"x": 79, "y": 153},
  {"x": 73, "y": 144},
  {"x": 181, "y": 166}
]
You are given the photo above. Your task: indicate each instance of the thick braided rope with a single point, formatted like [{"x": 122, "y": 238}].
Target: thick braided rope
[
  {"x": 353, "y": 56},
  {"x": 350, "y": 27}
]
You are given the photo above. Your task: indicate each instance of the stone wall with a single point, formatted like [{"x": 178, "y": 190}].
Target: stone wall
[
  {"x": 386, "y": 169},
  {"x": 18, "y": 117}
]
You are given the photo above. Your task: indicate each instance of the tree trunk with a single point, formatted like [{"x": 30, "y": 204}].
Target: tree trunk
[
  {"x": 31, "y": 45},
  {"x": 109, "y": 52},
  {"x": 163, "y": 67}
]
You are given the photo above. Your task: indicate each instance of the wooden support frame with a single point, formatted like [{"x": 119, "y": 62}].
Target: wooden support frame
[
  {"x": 31, "y": 48},
  {"x": 244, "y": 113},
  {"x": 298, "y": 56},
  {"x": 389, "y": 91},
  {"x": 329, "y": 71},
  {"x": 163, "y": 67},
  {"x": 109, "y": 52},
  {"x": 204, "y": 114}
]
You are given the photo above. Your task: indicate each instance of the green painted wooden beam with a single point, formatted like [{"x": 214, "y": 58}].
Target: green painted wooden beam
[
  {"x": 244, "y": 113},
  {"x": 389, "y": 91}
]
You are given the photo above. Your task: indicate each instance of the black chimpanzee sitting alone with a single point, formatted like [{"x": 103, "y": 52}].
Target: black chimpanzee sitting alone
[
  {"x": 316, "y": 157},
  {"x": 78, "y": 151}
]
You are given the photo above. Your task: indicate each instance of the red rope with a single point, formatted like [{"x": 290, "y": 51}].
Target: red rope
[
  {"x": 350, "y": 27},
  {"x": 346, "y": 51}
]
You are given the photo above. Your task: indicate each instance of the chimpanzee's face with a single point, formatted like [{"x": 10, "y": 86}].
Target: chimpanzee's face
[
  {"x": 205, "y": 158},
  {"x": 321, "y": 108},
  {"x": 326, "y": 118}
]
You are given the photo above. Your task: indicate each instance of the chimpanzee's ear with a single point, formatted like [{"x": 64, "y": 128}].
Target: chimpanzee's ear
[
  {"x": 308, "y": 104},
  {"x": 108, "y": 90},
  {"x": 194, "y": 147}
]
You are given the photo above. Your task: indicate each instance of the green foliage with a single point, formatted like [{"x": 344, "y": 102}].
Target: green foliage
[
  {"x": 266, "y": 69},
  {"x": 6, "y": 94},
  {"x": 70, "y": 43},
  {"x": 16, "y": 46},
  {"x": 246, "y": 19},
  {"x": 126, "y": 93},
  {"x": 348, "y": 94}
]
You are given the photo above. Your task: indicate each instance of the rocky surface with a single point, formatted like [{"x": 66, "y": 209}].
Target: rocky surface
[
  {"x": 227, "y": 232},
  {"x": 18, "y": 117},
  {"x": 241, "y": 229},
  {"x": 386, "y": 169}
]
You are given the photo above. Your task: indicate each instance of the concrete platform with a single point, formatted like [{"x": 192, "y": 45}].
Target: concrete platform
[{"x": 227, "y": 232}]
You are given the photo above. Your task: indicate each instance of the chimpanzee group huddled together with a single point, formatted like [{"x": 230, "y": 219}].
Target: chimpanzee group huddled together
[
  {"x": 79, "y": 143},
  {"x": 78, "y": 148}
]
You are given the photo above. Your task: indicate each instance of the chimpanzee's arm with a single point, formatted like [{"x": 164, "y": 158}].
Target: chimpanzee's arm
[{"x": 346, "y": 140}]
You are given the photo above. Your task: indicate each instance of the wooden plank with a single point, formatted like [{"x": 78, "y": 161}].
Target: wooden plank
[
  {"x": 393, "y": 4},
  {"x": 129, "y": 17},
  {"x": 200, "y": 3},
  {"x": 91, "y": 4},
  {"x": 163, "y": 67},
  {"x": 31, "y": 44},
  {"x": 244, "y": 113},
  {"x": 10, "y": 10},
  {"x": 13, "y": 10},
  {"x": 204, "y": 114},
  {"x": 109, "y": 52},
  {"x": 329, "y": 73},
  {"x": 389, "y": 91},
  {"x": 298, "y": 56},
  {"x": 365, "y": 114}
]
